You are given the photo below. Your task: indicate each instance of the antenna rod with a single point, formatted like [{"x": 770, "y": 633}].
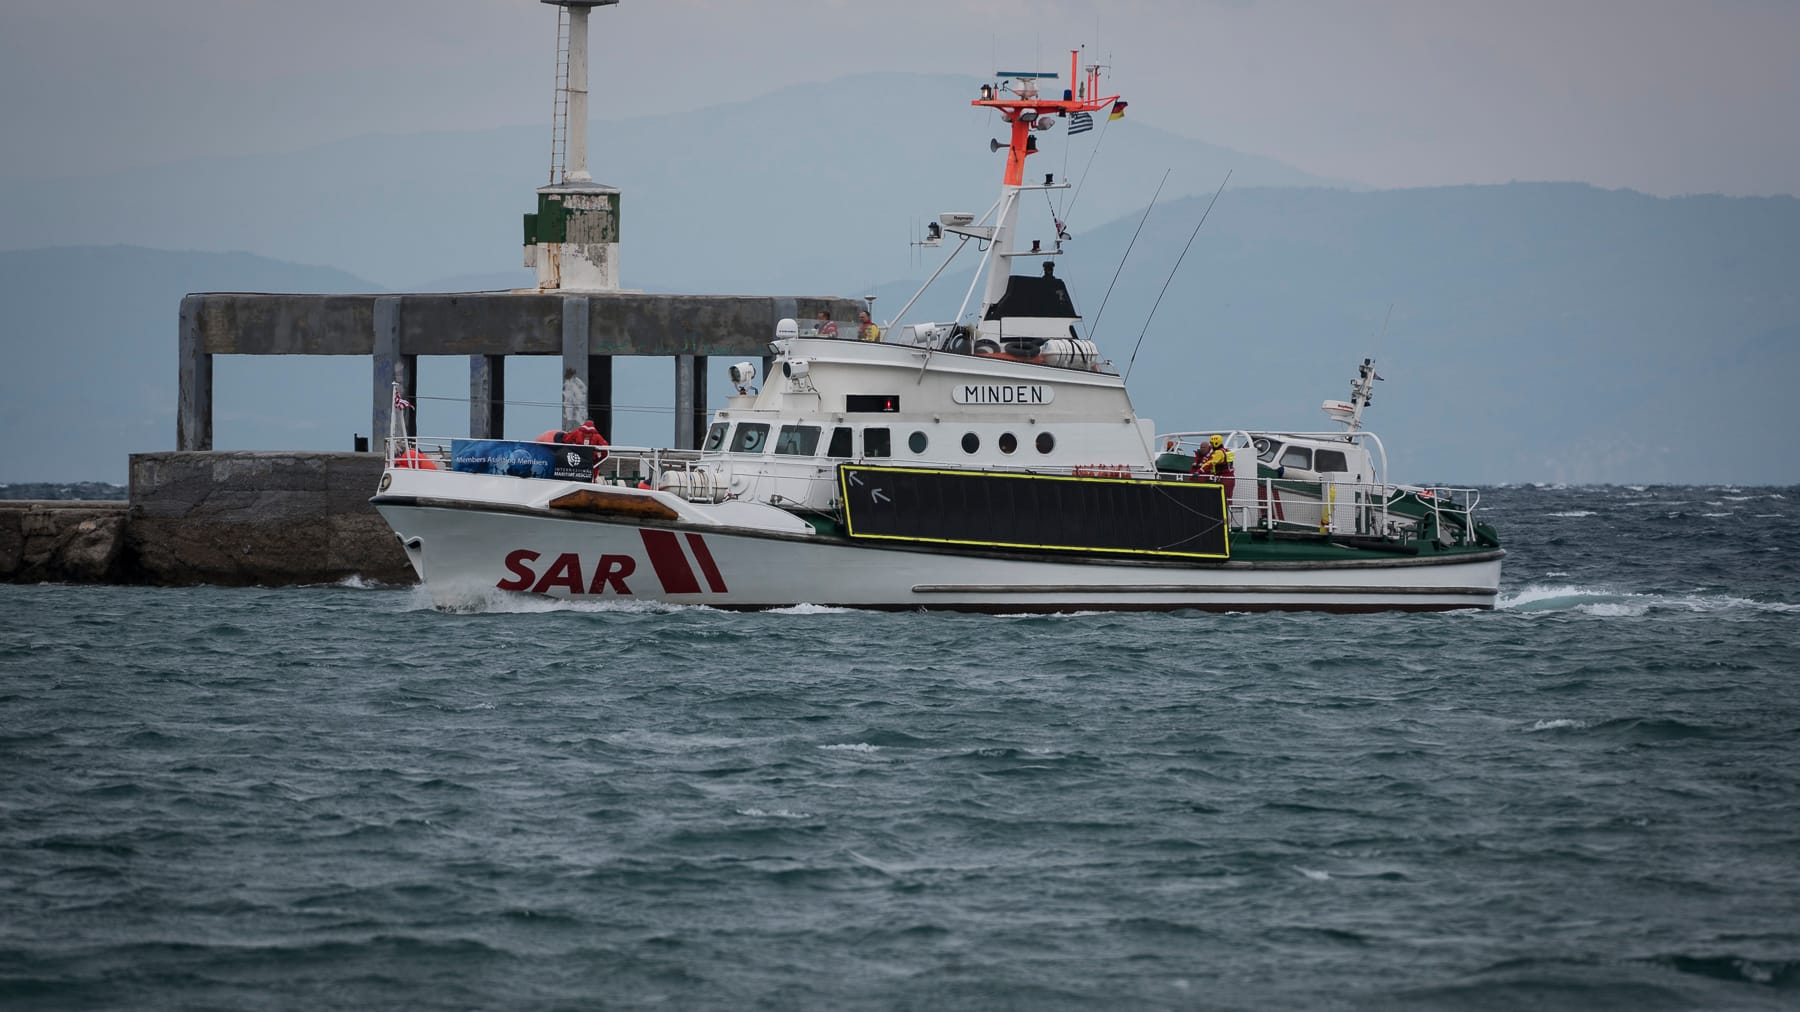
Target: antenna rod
[
  {"x": 1094, "y": 328},
  {"x": 1172, "y": 270},
  {"x": 895, "y": 322}
]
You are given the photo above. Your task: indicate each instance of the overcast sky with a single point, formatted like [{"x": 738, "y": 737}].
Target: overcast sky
[{"x": 1663, "y": 96}]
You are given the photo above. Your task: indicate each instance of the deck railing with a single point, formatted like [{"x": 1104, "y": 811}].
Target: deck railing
[
  {"x": 1366, "y": 509},
  {"x": 609, "y": 465},
  {"x": 1282, "y": 505}
]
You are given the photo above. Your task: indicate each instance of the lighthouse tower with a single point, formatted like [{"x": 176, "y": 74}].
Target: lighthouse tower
[{"x": 573, "y": 237}]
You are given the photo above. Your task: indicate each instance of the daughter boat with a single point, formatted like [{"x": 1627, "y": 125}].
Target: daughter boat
[{"x": 991, "y": 464}]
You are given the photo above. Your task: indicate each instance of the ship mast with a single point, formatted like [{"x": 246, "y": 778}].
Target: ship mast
[{"x": 1021, "y": 105}]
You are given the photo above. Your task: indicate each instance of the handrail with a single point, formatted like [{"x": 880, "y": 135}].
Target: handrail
[{"x": 1300, "y": 505}]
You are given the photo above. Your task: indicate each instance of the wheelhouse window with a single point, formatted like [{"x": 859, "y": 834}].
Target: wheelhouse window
[
  {"x": 1330, "y": 460},
  {"x": 752, "y": 437},
  {"x": 1297, "y": 456},
  {"x": 1266, "y": 449},
  {"x": 798, "y": 439},
  {"x": 841, "y": 447},
  {"x": 715, "y": 436},
  {"x": 877, "y": 443}
]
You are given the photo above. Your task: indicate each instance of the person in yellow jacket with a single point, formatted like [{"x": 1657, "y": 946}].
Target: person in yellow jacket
[
  {"x": 868, "y": 330},
  {"x": 1215, "y": 461}
]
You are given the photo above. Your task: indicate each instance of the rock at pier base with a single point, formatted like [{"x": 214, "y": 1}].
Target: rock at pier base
[{"x": 68, "y": 541}]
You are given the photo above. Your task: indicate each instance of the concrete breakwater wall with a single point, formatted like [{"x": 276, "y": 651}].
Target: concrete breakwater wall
[
  {"x": 232, "y": 518},
  {"x": 62, "y": 541}
]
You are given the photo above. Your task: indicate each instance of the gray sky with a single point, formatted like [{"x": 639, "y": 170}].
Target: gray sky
[{"x": 1663, "y": 96}]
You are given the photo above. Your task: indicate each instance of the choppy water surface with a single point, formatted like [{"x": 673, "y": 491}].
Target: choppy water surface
[{"x": 337, "y": 797}]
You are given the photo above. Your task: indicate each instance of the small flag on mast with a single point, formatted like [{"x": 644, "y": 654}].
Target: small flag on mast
[
  {"x": 401, "y": 403},
  {"x": 1118, "y": 111},
  {"x": 1080, "y": 123}
]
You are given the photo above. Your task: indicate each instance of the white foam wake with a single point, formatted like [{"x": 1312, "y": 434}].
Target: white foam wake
[{"x": 1618, "y": 604}]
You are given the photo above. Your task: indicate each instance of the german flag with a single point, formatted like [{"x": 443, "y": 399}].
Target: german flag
[{"x": 1118, "y": 111}]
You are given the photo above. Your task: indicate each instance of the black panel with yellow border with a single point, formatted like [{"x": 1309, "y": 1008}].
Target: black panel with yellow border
[{"x": 1039, "y": 512}]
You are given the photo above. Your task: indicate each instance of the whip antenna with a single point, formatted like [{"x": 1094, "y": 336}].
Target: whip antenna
[
  {"x": 1094, "y": 328},
  {"x": 1172, "y": 270}
]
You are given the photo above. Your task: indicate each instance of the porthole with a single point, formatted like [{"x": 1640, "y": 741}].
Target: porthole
[
  {"x": 917, "y": 442},
  {"x": 1008, "y": 442},
  {"x": 1045, "y": 442},
  {"x": 971, "y": 442}
]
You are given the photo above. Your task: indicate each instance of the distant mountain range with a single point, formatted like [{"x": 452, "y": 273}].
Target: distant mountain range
[{"x": 1539, "y": 332}]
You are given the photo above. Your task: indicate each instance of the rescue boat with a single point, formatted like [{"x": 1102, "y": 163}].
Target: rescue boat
[{"x": 993, "y": 463}]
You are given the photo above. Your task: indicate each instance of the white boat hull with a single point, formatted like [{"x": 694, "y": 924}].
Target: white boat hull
[{"x": 467, "y": 552}]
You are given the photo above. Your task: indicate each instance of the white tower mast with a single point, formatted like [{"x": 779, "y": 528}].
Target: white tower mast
[{"x": 573, "y": 238}]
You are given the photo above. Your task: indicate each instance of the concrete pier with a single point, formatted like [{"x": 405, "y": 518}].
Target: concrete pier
[
  {"x": 259, "y": 518},
  {"x": 584, "y": 329},
  {"x": 235, "y": 519},
  {"x": 286, "y": 518}
]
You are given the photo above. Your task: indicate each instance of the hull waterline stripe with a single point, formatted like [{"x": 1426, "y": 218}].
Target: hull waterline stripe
[
  {"x": 672, "y": 569},
  {"x": 708, "y": 568},
  {"x": 1178, "y": 588}
]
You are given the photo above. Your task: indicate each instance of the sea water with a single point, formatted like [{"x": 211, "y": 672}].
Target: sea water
[{"x": 337, "y": 797}]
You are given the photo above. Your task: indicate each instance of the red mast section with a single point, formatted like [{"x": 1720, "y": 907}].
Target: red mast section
[{"x": 1023, "y": 108}]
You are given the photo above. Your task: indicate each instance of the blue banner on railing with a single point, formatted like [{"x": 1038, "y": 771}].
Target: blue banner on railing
[{"x": 567, "y": 461}]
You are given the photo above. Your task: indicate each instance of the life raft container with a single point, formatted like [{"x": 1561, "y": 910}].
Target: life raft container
[{"x": 411, "y": 457}]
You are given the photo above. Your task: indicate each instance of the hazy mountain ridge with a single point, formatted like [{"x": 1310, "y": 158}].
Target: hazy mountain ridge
[{"x": 1539, "y": 331}]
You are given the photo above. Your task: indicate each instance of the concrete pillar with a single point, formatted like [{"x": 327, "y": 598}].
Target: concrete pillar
[
  {"x": 487, "y": 396},
  {"x": 193, "y": 416},
  {"x": 409, "y": 389},
  {"x": 600, "y": 393},
  {"x": 390, "y": 367},
  {"x": 684, "y": 402},
  {"x": 575, "y": 360},
  {"x": 699, "y": 399}
]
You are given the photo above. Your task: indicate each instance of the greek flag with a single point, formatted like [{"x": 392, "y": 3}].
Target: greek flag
[{"x": 1080, "y": 123}]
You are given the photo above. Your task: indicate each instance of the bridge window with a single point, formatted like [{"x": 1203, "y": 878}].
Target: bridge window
[
  {"x": 715, "y": 436},
  {"x": 752, "y": 437},
  {"x": 1331, "y": 460},
  {"x": 1297, "y": 456},
  {"x": 840, "y": 443},
  {"x": 798, "y": 439},
  {"x": 917, "y": 442},
  {"x": 877, "y": 443}
]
